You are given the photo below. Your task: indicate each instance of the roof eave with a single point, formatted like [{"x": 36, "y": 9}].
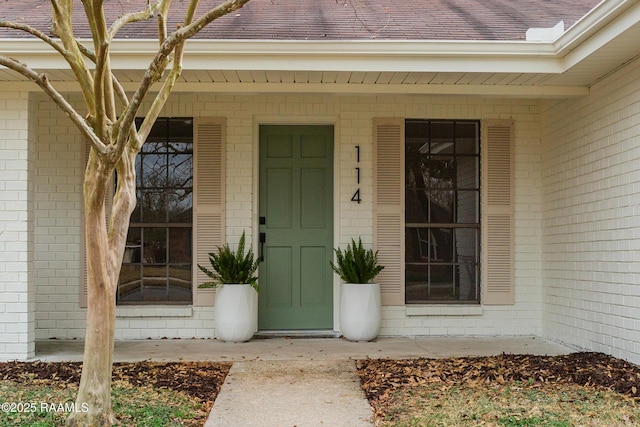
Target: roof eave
[
  {"x": 343, "y": 55},
  {"x": 609, "y": 20}
]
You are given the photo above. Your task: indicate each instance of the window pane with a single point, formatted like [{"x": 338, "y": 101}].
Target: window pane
[
  {"x": 441, "y": 137},
  {"x": 466, "y": 245},
  {"x": 417, "y": 249},
  {"x": 417, "y": 283},
  {"x": 441, "y": 244},
  {"x": 442, "y": 283},
  {"x": 179, "y": 285},
  {"x": 417, "y": 135},
  {"x": 180, "y": 245},
  {"x": 180, "y": 206},
  {"x": 158, "y": 132},
  {"x": 467, "y": 207},
  {"x": 133, "y": 248},
  {"x": 155, "y": 245},
  {"x": 438, "y": 172},
  {"x": 416, "y": 206},
  {"x": 154, "y": 283},
  {"x": 154, "y": 171},
  {"x": 424, "y": 245},
  {"x": 181, "y": 128},
  {"x": 154, "y": 206},
  {"x": 129, "y": 283},
  {"x": 180, "y": 171},
  {"x": 467, "y": 138},
  {"x": 429, "y": 172},
  {"x": 467, "y": 282},
  {"x": 468, "y": 172},
  {"x": 157, "y": 146},
  {"x": 441, "y": 206}
]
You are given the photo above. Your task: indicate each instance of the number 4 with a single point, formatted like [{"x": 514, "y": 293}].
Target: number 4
[{"x": 356, "y": 196}]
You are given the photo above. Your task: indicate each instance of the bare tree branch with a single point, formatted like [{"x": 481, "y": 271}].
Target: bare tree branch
[
  {"x": 119, "y": 90},
  {"x": 88, "y": 53},
  {"x": 98, "y": 24},
  {"x": 164, "y": 51},
  {"x": 129, "y": 18},
  {"x": 215, "y": 13},
  {"x": 162, "y": 20},
  {"x": 169, "y": 83},
  {"x": 98, "y": 88},
  {"x": 37, "y": 33},
  {"x": 42, "y": 81},
  {"x": 62, "y": 14}
]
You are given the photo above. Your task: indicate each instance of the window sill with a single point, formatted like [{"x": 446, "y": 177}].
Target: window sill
[
  {"x": 154, "y": 311},
  {"x": 443, "y": 310}
]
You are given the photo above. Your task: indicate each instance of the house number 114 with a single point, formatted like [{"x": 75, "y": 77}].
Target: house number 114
[{"x": 356, "y": 195}]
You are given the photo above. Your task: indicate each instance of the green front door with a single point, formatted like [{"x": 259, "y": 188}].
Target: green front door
[{"x": 296, "y": 224}]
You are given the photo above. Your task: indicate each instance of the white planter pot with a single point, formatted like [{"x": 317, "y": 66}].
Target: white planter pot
[
  {"x": 236, "y": 312},
  {"x": 360, "y": 311}
]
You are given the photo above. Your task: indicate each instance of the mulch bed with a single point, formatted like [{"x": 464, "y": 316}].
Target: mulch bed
[
  {"x": 381, "y": 377},
  {"x": 200, "y": 380}
]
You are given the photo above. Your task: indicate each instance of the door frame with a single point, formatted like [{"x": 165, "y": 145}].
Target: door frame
[{"x": 304, "y": 121}]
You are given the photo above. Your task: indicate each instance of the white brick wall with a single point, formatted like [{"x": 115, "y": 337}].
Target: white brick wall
[
  {"x": 17, "y": 308},
  {"x": 591, "y": 217},
  {"x": 58, "y": 186}
]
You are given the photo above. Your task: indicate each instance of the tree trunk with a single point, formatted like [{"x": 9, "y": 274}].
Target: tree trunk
[
  {"x": 104, "y": 255},
  {"x": 93, "y": 403}
]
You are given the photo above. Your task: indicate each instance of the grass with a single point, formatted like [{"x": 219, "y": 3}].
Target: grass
[
  {"x": 508, "y": 405},
  {"x": 134, "y": 405}
]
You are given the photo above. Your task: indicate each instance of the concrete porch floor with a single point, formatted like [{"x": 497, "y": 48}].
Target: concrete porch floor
[{"x": 284, "y": 348}]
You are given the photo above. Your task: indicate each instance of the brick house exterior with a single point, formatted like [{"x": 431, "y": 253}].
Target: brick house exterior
[{"x": 570, "y": 105}]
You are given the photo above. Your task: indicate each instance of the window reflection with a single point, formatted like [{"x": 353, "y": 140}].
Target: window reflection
[
  {"x": 442, "y": 211},
  {"x": 158, "y": 253}
]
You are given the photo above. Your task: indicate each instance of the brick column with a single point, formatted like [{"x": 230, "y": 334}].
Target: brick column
[{"x": 17, "y": 292}]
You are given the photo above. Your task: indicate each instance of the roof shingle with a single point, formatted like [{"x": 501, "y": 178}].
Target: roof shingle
[{"x": 336, "y": 19}]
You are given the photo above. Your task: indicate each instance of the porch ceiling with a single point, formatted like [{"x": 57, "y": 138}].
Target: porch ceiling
[{"x": 478, "y": 83}]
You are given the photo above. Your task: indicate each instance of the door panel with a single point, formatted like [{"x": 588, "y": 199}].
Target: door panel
[
  {"x": 279, "y": 198},
  {"x": 280, "y": 273},
  {"x": 312, "y": 292},
  {"x": 296, "y": 200},
  {"x": 313, "y": 198}
]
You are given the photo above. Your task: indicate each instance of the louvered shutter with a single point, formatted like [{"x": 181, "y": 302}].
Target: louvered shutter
[
  {"x": 389, "y": 201},
  {"x": 209, "y": 199},
  {"x": 498, "y": 218},
  {"x": 108, "y": 200}
]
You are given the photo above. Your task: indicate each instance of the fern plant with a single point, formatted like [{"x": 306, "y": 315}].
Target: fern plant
[
  {"x": 356, "y": 264},
  {"x": 229, "y": 267}
]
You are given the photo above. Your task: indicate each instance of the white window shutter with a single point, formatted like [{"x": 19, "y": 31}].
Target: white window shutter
[
  {"x": 498, "y": 218},
  {"x": 388, "y": 137},
  {"x": 209, "y": 199},
  {"x": 108, "y": 201}
]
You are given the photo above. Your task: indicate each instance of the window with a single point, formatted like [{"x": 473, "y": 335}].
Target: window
[
  {"x": 157, "y": 261},
  {"x": 442, "y": 211}
]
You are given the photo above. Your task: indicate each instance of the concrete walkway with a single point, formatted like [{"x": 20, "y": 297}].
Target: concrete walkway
[
  {"x": 299, "y": 381},
  {"x": 291, "y": 393}
]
